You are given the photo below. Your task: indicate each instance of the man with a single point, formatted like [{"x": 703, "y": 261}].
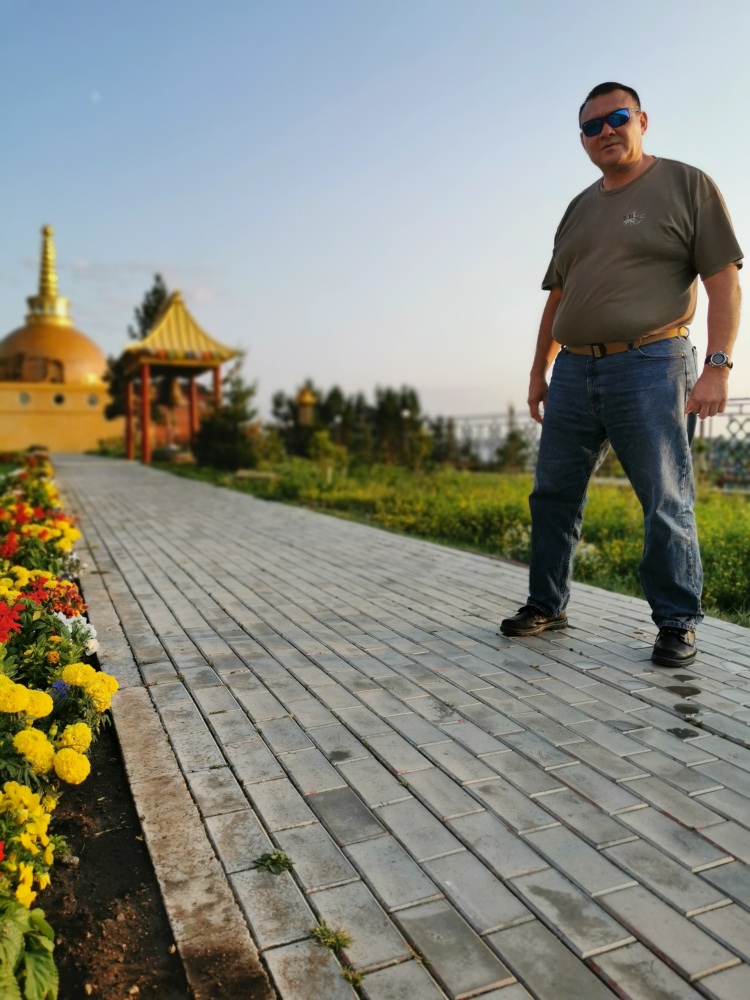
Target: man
[{"x": 622, "y": 289}]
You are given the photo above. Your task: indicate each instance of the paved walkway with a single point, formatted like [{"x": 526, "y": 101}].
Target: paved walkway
[{"x": 550, "y": 818}]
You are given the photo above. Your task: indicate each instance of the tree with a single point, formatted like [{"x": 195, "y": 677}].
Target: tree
[
  {"x": 145, "y": 316},
  {"x": 224, "y": 439},
  {"x": 513, "y": 453}
]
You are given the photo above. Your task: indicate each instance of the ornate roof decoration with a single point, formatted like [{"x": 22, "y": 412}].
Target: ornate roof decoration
[
  {"x": 176, "y": 340},
  {"x": 48, "y": 307}
]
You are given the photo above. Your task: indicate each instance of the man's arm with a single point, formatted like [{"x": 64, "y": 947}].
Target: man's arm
[
  {"x": 711, "y": 391},
  {"x": 545, "y": 354}
]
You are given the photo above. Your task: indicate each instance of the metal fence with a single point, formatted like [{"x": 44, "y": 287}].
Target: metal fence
[{"x": 721, "y": 445}]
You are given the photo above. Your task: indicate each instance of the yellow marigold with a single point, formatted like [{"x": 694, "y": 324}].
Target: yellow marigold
[
  {"x": 36, "y": 748},
  {"x": 79, "y": 674},
  {"x": 71, "y": 767},
  {"x": 100, "y": 693},
  {"x": 52, "y": 657},
  {"x": 13, "y": 697},
  {"x": 76, "y": 736},
  {"x": 40, "y": 704},
  {"x": 54, "y": 638}
]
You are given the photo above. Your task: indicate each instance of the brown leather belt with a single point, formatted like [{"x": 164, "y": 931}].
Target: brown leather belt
[{"x": 618, "y": 346}]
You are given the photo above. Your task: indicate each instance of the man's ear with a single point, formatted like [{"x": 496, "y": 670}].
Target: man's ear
[{"x": 644, "y": 121}]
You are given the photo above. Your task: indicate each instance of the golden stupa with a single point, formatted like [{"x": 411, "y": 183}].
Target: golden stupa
[{"x": 52, "y": 389}]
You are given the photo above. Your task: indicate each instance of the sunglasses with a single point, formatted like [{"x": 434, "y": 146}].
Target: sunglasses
[{"x": 615, "y": 119}]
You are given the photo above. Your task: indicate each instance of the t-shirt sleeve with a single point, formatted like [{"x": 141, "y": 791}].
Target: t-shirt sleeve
[
  {"x": 553, "y": 278},
  {"x": 715, "y": 245}
]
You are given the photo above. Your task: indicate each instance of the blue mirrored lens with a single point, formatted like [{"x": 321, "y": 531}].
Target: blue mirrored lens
[{"x": 614, "y": 119}]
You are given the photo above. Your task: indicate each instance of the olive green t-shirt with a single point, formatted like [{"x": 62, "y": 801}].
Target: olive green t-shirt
[{"x": 628, "y": 259}]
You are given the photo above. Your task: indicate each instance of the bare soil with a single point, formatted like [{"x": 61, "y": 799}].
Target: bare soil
[{"x": 112, "y": 936}]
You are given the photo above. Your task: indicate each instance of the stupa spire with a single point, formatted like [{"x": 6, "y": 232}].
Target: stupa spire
[{"x": 48, "y": 306}]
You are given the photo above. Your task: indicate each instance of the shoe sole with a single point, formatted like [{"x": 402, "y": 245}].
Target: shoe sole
[
  {"x": 665, "y": 661},
  {"x": 551, "y": 627}
]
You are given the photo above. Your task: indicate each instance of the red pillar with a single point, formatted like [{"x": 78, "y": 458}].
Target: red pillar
[
  {"x": 193, "y": 402},
  {"x": 217, "y": 386},
  {"x": 129, "y": 435},
  {"x": 145, "y": 414}
]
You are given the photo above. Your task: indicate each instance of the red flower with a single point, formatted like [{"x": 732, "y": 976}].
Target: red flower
[
  {"x": 9, "y": 620},
  {"x": 9, "y": 547},
  {"x": 2, "y": 851}
]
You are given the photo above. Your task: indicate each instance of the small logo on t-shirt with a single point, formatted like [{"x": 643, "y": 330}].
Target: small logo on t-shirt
[{"x": 633, "y": 218}]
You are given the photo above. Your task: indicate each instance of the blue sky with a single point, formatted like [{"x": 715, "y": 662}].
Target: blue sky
[{"x": 363, "y": 192}]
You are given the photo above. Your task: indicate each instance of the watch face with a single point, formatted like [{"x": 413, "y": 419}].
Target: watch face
[{"x": 719, "y": 359}]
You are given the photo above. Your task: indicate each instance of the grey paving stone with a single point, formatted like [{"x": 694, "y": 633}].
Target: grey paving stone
[
  {"x": 406, "y": 981},
  {"x": 634, "y": 971},
  {"x": 587, "y": 819},
  {"x": 540, "y": 750},
  {"x": 238, "y": 838},
  {"x": 275, "y": 908},
  {"x": 279, "y": 804},
  {"x": 608, "y": 795},
  {"x": 500, "y": 849},
  {"x": 374, "y": 782},
  {"x": 310, "y": 771},
  {"x": 252, "y": 761},
  {"x": 345, "y": 816},
  {"x": 391, "y": 873},
  {"x": 688, "y": 751},
  {"x": 310, "y": 713},
  {"x": 548, "y": 729},
  {"x": 233, "y": 727},
  {"x": 728, "y": 803},
  {"x": 673, "y": 882},
  {"x": 490, "y": 719},
  {"x": 733, "y": 879},
  {"x": 397, "y": 753},
  {"x": 444, "y": 795},
  {"x": 434, "y": 710},
  {"x": 523, "y": 773},
  {"x": 687, "y": 948},
  {"x": 688, "y": 779},
  {"x": 283, "y": 735},
  {"x": 216, "y": 791},
  {"x": 731, "y": 926},
  {"x": 727, "y": 774},
  {"x": 375, "y": 941},
  {"x": 543, "y": 964},
  {"x": 363, "y": 722},
  {"x": 608, "y": 763},
  {"x": 196, "y": 751},
  {"x": 338, "y": 744},
  {"x": 732, "y": 838},
  {"x": 318, "y": 862},
  {"x": 685, "y": 809},
  {"x": 732, "y": 984},
  {"x": 584, "y": 865},
  {"x": 586, "y": 928},
  {"x": 474, "y": 738},
  {"x": 215, "y": 698},
  {"x": 260, "y": 705},
  {"x": 416, "y": 828},
  {"x": 456, "y": 954},
  {"x": 515, "y": 809},
  {"x": 458, "y": 761},
  {"x": 305, "y": 969},
  {"x": 686, "y": 846},
  {"x": 480, "y": 896}
]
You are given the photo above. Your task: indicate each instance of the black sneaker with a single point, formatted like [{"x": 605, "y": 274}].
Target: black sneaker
[
  {"x": 529, "y": 620},
  {"x": 674, "y": 647}
]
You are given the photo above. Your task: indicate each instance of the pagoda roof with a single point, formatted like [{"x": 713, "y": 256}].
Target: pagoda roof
[{"x": 176, "y": 341}]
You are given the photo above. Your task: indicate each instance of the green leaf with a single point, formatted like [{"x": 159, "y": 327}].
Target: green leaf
[
  {"x": 9, "y": 988},
  {"x": 41, "y": 980},
  {"x": 11, "y": 940}
]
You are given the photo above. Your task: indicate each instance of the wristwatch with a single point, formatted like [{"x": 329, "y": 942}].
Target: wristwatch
[{"x": 719, "y": 360}]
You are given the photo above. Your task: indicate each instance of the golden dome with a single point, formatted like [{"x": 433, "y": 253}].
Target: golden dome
[{"x": 49, "y": 348}]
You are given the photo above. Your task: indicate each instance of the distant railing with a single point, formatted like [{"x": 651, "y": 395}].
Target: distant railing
[{"x": 721, "y": 445}]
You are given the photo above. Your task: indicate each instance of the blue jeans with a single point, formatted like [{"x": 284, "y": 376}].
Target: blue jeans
[{"x": 636, "y": 401}]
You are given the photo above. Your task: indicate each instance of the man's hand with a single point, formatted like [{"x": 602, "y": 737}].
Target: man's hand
[
  {"x": 710, "y": 393},
  {"x": 537, "y": 396}
]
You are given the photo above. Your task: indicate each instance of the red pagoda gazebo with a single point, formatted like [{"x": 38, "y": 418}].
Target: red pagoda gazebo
[{"x": 176, "y": 347}]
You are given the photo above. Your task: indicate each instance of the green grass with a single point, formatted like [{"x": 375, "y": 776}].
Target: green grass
[{"x": 488, "y": 513}]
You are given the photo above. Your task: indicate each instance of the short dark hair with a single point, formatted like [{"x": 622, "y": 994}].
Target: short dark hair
[{"x": 607, "y": 88}]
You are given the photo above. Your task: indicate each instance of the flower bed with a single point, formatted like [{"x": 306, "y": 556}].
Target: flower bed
[{"x": 53, "y": 702}]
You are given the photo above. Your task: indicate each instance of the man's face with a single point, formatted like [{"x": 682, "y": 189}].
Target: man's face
[{"x": 614, "y": 149}]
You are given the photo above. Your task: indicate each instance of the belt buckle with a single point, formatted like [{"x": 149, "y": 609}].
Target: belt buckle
[{"x": 598, "y": 347}]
